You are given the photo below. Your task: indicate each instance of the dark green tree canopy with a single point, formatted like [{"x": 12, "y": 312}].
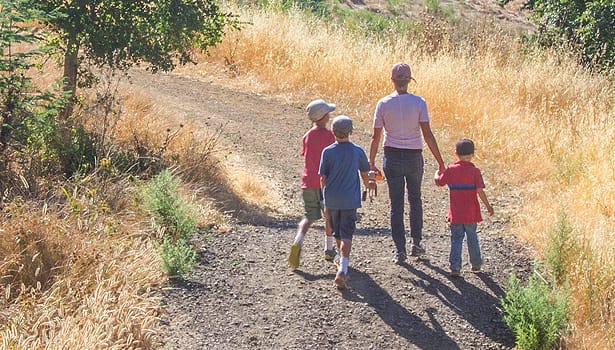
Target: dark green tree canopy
[
  {"x": 121, "y": 33},
  {"x": 588, "y": 27}
]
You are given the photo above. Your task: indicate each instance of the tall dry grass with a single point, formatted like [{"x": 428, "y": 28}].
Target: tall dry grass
[
  {"x": 215, "y": 181},
  {"x": 77, "y": 275},
  {"x": 544, "y": 128},
  {"x": 78, "y": 266}
]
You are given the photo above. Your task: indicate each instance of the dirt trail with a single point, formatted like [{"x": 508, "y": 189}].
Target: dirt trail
[{"x": 242, "y": 295}]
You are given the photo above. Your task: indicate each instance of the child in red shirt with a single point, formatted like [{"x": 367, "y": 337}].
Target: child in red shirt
[
  {"x": 465, "y": 184},
  {"x": 314, "y": 141}
]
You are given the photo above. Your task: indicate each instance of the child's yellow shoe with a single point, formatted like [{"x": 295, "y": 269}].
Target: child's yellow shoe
[{"x": 295, "y": 255}]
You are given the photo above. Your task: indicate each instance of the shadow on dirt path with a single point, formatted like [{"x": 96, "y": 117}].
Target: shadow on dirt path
[
  {"x": 242, "y": 294},
  {"x": 397, "y": 317},
  {"x": 478, "y": 307}
]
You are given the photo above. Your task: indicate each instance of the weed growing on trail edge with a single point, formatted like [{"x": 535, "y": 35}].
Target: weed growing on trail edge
[
  {"x": 178, "y": 256},
  {"x": 177, "y": 218},
  {"x": 161, "y": 197},
  {"x": 561, "y": 250},
  {"x": 536, "y": 314}
]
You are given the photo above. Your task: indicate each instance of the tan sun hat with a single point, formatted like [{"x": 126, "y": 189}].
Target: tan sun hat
[{"x": 317, "y": 109}]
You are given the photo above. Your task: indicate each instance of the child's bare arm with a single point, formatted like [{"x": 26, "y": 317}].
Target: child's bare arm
[
  {"x": 364, "y": 178},
  {"x": 436, "y": 176},
  {"x": 483, "y": 198}
]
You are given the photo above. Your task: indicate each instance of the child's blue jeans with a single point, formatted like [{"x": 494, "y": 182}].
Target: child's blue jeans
[{"x": 458, "y": 232}]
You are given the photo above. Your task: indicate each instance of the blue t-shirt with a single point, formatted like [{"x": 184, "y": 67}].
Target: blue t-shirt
[{"x": 341, "y": 163}]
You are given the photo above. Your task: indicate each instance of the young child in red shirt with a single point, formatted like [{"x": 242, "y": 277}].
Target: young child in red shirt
[
  {"x": 314, "y": 141},
  {"x": 466, "y": 185}
]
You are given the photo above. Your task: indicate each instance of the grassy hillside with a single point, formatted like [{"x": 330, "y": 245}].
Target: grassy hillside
[
  {"x": 544, "y": 128},
  {"x": 80, "y": 262}
]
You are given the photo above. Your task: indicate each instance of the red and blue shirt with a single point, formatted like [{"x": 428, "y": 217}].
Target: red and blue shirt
[{"x": 463, "y": 179}]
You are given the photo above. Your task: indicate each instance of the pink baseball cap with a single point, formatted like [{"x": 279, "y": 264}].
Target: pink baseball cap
[{"x": 401, "y": 71}]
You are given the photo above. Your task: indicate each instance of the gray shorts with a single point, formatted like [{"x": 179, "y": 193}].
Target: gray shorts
[
  {"x": 343, "y": 222},
  {"x": 312, "y": 203}
]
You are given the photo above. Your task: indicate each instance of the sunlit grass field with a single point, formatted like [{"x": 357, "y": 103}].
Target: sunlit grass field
[
  {"x": 79, "y": 268},
  {"x": 544, "y": 128}
]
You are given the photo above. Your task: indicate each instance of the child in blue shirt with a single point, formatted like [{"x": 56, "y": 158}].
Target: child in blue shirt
[{"x": 342, "y": 166}]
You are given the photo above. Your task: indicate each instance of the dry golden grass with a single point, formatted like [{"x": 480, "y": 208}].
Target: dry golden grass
[
  {"x": 544, "y": 128},
  {"x": 194, "y": 153},
  {"x": 79, "y": 271},
  {"x": 76, "y": 275}
]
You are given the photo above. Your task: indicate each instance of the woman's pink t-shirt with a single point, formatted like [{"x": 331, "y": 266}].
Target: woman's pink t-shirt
[{"x": 400, "y": 115}]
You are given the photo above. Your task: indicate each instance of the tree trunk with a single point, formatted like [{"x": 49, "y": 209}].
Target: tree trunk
[{"x": 71, "y": 63}]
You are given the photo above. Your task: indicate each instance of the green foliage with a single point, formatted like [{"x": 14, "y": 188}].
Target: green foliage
[
  {"x": 176, "y": 216},
  {"x": 366, "y": 23},
  {"x": 535, "y": 313},
  {"x": 178, "y": 256},
  {"x": 78, "y": 155},
  {"x": 121, "y": 33},
  {"x": 161, "y": 197},
  {"x": 435, "y": 7},
  {"x": 360, "y": 22},
  {"x": 28, "y": 135},
  {"x": 317, "y": 7},
  {"x": 587, "y": 26},
  {"x": 395, "y": 6},
  {"x": 17, "y": 102},
  {"x": 561, "y": 250},
  {"x": 502, "y": 3}
]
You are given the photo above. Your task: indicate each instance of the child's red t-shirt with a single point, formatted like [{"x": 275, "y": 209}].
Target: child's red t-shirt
[
  {"x": 462, "y": 178},
  {"x": 314, "y": 141}
]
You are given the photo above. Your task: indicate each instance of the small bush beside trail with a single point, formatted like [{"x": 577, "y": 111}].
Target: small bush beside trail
[
  {"x": 177, "y": 219},
  {"x": 178, "y": 256},
  {"x": 536, "y": 313}
]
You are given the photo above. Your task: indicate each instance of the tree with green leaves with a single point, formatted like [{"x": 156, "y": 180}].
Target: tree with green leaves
[
  {"x": 21, "y": 105},
  {"x": 587, "y": 26},
  {"x": 27, "y": 115},
  {"x": 120, "y": 33}
]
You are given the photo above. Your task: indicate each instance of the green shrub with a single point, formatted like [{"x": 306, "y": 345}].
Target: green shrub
[
  {"x": 364, "y": 23},
  {"x": 77, "y": 150},
  {"x": 585, "y": 27},
  {"x": 176, "y": 217},
  {"x": 535, "y": 313},
  {"x": 317, "y": 7},
  {"x": 178, "y": 256},
  {"x": 435, "y": 7},
  {"x": 161, "y": 197},
  {"x": 28, "y": 126},
  {"x": 561, "y": 250}
]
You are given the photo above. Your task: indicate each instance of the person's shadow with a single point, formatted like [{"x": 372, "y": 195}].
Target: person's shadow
[
  {"x": 312, "y": 277},
  {"x": 365, "y": 290},
  {"x": 481, "y": 309}
]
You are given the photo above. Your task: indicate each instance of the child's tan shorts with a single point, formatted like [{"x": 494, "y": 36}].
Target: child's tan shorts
[{"x": 312, "y": 203}]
